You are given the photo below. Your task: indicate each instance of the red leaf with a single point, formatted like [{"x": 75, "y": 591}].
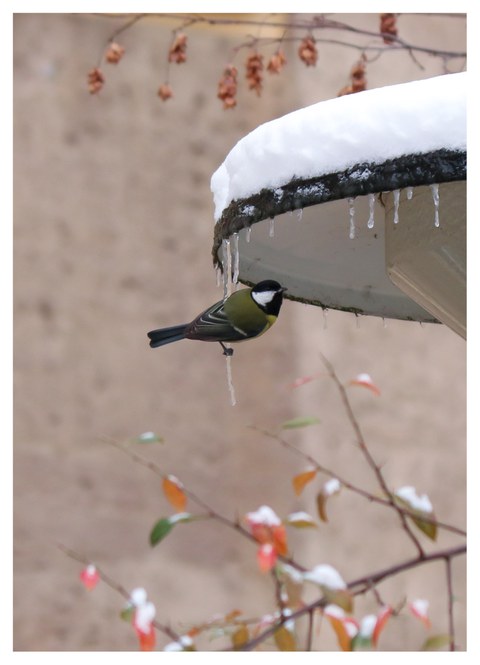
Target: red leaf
[
  {"x": 365, "y": 380},
  {"x": 89, "y": 577}
]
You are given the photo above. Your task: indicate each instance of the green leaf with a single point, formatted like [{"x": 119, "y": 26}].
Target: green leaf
[
  {"x": 127, "y": 613},
  {"x": 420, "y": 518},
  {"x": 302, "y": 421},
  {"x": 436, "y": 642},
  {"x": 161, "y": 529}
]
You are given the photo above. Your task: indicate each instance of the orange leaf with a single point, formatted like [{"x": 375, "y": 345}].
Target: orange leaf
[
  {"x": 280, "y": 539},
  {"x": 382, "y": 618},
  {"x": 341, "y": 628},
  {"x": 173, "y": 490},
  {"x": 303, "y": 479}
]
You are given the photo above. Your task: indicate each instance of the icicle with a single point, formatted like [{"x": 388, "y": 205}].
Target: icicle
[
  {"x": 371, "y": 205},
  {"x": 396, "y": 203},
  {"x": 300, "y": 214},
  {"x": 436, "y": 203},
  {"x": 236, "y": 259},
  {"x": 231, "y": 389},
  {"x": 384, "y": 322},
  {"x": 271, "y": 228},
  {"x": 248, "y": 233},
  {"x": 227, "y": 268},
  {"x": 218, "y": 274},
  {"x": 357, "y": 321},
  {"x": 409, "y": 193},
  {"x": 351, "y": 214}
]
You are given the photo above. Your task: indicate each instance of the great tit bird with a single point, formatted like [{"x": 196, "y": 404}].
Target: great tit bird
[{"x": 245, "y": 314}]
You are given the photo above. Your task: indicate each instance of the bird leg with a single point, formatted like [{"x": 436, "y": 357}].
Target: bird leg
[{"x": 226, "y": 352}]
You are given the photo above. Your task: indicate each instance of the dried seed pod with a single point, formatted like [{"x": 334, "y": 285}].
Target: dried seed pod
[
  {"x": 388, "y": 26},
  {"x": 114, "y": 53},
  {"x": 227, "y": 87},
  {"x": 277, "y": 62},
  {"x": 357, "y": 77},
  {"x": 165, "y": 92},
  {"x": 178, "y": 49},
  {"x": 95, "y": 81},
  {"x": 254, "y": 68},
  {"x": 307, "y": 51}
]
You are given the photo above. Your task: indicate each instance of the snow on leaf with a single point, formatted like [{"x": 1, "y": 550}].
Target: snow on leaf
[
  {"x": 331, "y": 487},
  {"x": 419, "y": 609},
  {"x": 161, "y": 529},
  {"x": 149, "y": 437},
  {"x": 89, "y": 577},
  {"x": 185, "y": 643},
  {"x": 142, "y": 622},
  {"x": 326, "y": 576},
  {"x": 285, "y": 639},
  {"x": 173, "y": 491},
  {"x": 332, "y": 585},
  {"x": 365, "y": 381},
  {"x": 421, "y": 507},
  {"x": 264, "y": 515},
  {"x": 302, "y": 479},
  {"x": 300, "y": 520},
  {"x": 417, "y": 502},
  {"x": 301, "y": 421},
  {"x": 346, "y": 628},
  {"x": 138, "y": 597}
]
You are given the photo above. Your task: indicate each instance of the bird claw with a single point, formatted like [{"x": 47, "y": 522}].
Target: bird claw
[{"x": 226, "y": 352}]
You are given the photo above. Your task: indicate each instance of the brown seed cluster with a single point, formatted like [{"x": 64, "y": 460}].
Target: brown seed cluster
[
  {"x": 165, "y": 92},
  {"x": 277, "y": 62},
  {"x": 114, "y": 53},
  {"x": 95, "y": 81},
  {"x": 178, "y": 49},
  {"x": 358, "y": 81},
  {"x": 254, "y": 69},
  {"x": 307, "y": 51},
  {"x": 227, "y": 87},
  {"x": 388, "y": 26}
]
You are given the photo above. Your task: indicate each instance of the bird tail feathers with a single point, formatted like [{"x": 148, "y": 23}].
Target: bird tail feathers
[{"x": 166, "y": 335}]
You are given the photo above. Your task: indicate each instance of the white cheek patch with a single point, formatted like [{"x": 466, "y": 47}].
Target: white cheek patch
[{"x": 262, "y": 298}]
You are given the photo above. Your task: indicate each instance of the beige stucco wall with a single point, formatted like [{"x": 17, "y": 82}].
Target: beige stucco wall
[{"x": 112, "y": 236}]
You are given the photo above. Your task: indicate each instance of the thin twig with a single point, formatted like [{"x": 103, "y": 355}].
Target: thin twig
[
  {"x": 109, "y": 581},
  {"x": 210, "y": 512},
  {"x": 451, "y": 624},
  {"x": 368, "y": 456},
  {"x": 373, "y": 498}
]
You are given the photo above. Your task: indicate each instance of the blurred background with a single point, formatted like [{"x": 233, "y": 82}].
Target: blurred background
[{"x": 113, "y": 227}]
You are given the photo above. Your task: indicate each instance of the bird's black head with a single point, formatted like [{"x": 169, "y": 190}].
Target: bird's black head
[{"x": 269, "y": 296}]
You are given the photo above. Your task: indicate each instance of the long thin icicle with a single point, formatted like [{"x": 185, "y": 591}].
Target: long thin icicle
[{"x": 231, "y": 389}]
